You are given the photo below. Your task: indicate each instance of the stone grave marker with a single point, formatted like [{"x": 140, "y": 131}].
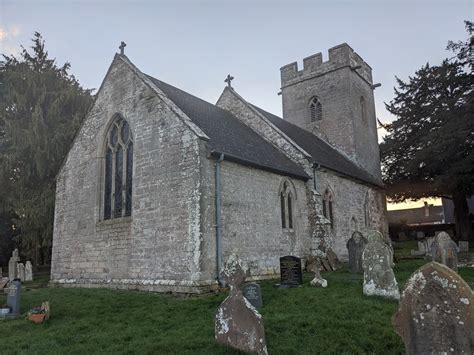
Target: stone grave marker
[
  {"x": 12, "y": 265},
  {"x": 463, "y": 246},
  {"x": 444, "y": 251},
  {"x": 253, "y": 294},
  {"x": 28, "y": 271},
  {"x": 21, "y": 272},
  {"x": 376, "y": 235},
  {"x": 436, "y": 312},
  {"x": 379, "y": 279},
  {"x": 14, "y": 297},
  {"x": 237, "y": 323},
  {"x": 355, "y": 246},
  {"x": 420, "y": 235},
  {"x": 290, "y": 271},
  {"x": 313, "y": 265}
]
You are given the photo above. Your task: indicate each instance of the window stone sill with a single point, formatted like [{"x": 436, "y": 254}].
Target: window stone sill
[{"x": 114, "y": 221}]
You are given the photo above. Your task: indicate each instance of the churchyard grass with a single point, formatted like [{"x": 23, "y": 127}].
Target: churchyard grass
[{"x": 306, "y": 320}]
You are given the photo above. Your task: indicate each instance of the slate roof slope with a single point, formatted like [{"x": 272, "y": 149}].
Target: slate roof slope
[
  {"x": 321, "y": 152},
  {"x": 230, "y": 136}
]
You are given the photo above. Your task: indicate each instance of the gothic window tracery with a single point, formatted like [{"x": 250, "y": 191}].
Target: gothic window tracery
[
  {"x": 118, "y": 170},
  {"x": 315, "y": 110}
]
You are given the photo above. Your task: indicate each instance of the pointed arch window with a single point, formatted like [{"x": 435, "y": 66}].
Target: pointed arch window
[
  {"x": 363, "y": 109},
  {"x": 328, "y": 206},
  {"x": 315, "y": 110},
  {"x": 118, "y": 170},
  {"x": 286, "y": 206}
]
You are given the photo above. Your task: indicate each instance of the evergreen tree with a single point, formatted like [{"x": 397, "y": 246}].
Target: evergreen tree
[
  {"x": 41, "y": 108},
  {"x": 428, "y": 149}
]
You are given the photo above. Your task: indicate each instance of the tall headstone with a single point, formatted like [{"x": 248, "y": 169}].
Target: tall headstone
[
  {"x": 355, "y": 246},
  {"x": 28, "y": 271},
  {"x": 444, "y": 251},
  {"x": 13, "y": 265},
  {"x": 21, "y": 272},
  {"x": 253, "y": 294},
  {"x": 237, "y": 323},
  {"x": 436, "y": 313},
  {"x": 379, "y": 279},
  {"x": 14, "y": 297},
  {"x": 376, "y": 235},
  {"x": 290, "y": 271}
]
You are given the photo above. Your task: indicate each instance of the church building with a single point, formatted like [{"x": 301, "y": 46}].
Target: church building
[{"x": 160, "y": 187}]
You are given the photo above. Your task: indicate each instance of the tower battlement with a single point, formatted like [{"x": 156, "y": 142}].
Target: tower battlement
[{"x": 339, "y": 57}]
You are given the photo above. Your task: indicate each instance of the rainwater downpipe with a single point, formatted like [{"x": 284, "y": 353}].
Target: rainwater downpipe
[{"x": 218, "y": 219}]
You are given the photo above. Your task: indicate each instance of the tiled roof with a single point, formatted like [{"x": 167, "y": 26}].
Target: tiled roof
[
  {"x": 321, "y": 152},
  {"x": 228, "y": 135}
]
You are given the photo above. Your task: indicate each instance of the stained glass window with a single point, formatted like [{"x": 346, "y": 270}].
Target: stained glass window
[
  {"x": 286, "y": 205},
  {"x": 118, "y": 170}
]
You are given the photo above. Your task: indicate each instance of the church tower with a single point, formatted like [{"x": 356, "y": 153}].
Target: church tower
[{"x": 334, "y": 100}]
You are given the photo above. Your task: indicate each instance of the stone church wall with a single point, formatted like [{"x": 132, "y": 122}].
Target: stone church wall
[
  {"x": 159, "y": 246},
  {"x": 251, "y": 218},
  {"x": 355, "y": 207}
]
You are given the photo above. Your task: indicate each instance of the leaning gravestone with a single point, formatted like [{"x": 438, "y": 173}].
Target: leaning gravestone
[
  {"x": 444, "y": 251},
  {"x": 237, "y": 323},
  {"x": 379, "y": 279},
  {"x": 12, "y": 265},
  {"x": 253, "y": 294},
  {"x": 14, "y": 297},
  {"x": 28, "y": 271},
  {"x": 290, "y": 271},
  {"x": 355, "y": 246},
  {"x": 21, "y": 272},
  {"x": 436, "y": 313}
]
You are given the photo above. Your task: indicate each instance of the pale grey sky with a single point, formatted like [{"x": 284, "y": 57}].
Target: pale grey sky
[{"x": 195, "y": 44}]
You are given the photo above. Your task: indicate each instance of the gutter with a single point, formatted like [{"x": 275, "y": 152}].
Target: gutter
[{"x": 219, "y": 219}]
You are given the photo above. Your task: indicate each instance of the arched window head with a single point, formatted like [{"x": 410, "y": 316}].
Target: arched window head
[
  {"x": 118, "y": 170},
  {"x": 363, "y": 109},
  {"x": 315, "y": 110},
  {"x": 328, "y": 206},
  {"x": 287, "y": 198}
]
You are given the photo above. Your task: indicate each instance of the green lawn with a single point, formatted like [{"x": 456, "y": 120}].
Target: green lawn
[{"x": 306, "y": 320}]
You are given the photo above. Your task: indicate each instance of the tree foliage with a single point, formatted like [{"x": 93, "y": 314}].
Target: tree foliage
[
  {"x": 428, "y": 149},
  {"x": 41, "y": 108}
]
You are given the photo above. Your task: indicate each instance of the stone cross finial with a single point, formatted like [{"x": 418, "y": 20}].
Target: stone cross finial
[
  {"x": 122, "y": 47},
  {"x": 228, "y": 80}
]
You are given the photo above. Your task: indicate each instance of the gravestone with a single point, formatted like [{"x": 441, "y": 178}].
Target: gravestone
[
  {"x": 253, "y": 294},
  {"x": 14, "y": 297},
  {"x": 428, "y": 245},
  {"x": 436, "y": 312},
  {"x": 444, "y": 251},
  {"x": 420, "y": 235},
  {"x": 12, "y": 265},
  {"x": 21, "y": 272},
  {"x": 355, "y": 246},
  {"x": 290, "y": 271},
  {"x": 28, "y": 271},
  {"x": 379, "y": 279},
  {"x": 1, "y": 273},
  {"x": 333, "y": 260},
  {"x": 313, "y": 265},
  {"x": 463, "y": 246},
  {"x": 237, "y": 323},
  {"x": 376, "y": 235}
]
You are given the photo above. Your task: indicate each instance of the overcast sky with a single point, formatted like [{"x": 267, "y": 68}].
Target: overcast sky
[{"x": 195, "y": 44}]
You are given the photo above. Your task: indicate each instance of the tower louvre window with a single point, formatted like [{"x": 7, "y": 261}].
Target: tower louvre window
[{"x": 315, "y": 110}]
